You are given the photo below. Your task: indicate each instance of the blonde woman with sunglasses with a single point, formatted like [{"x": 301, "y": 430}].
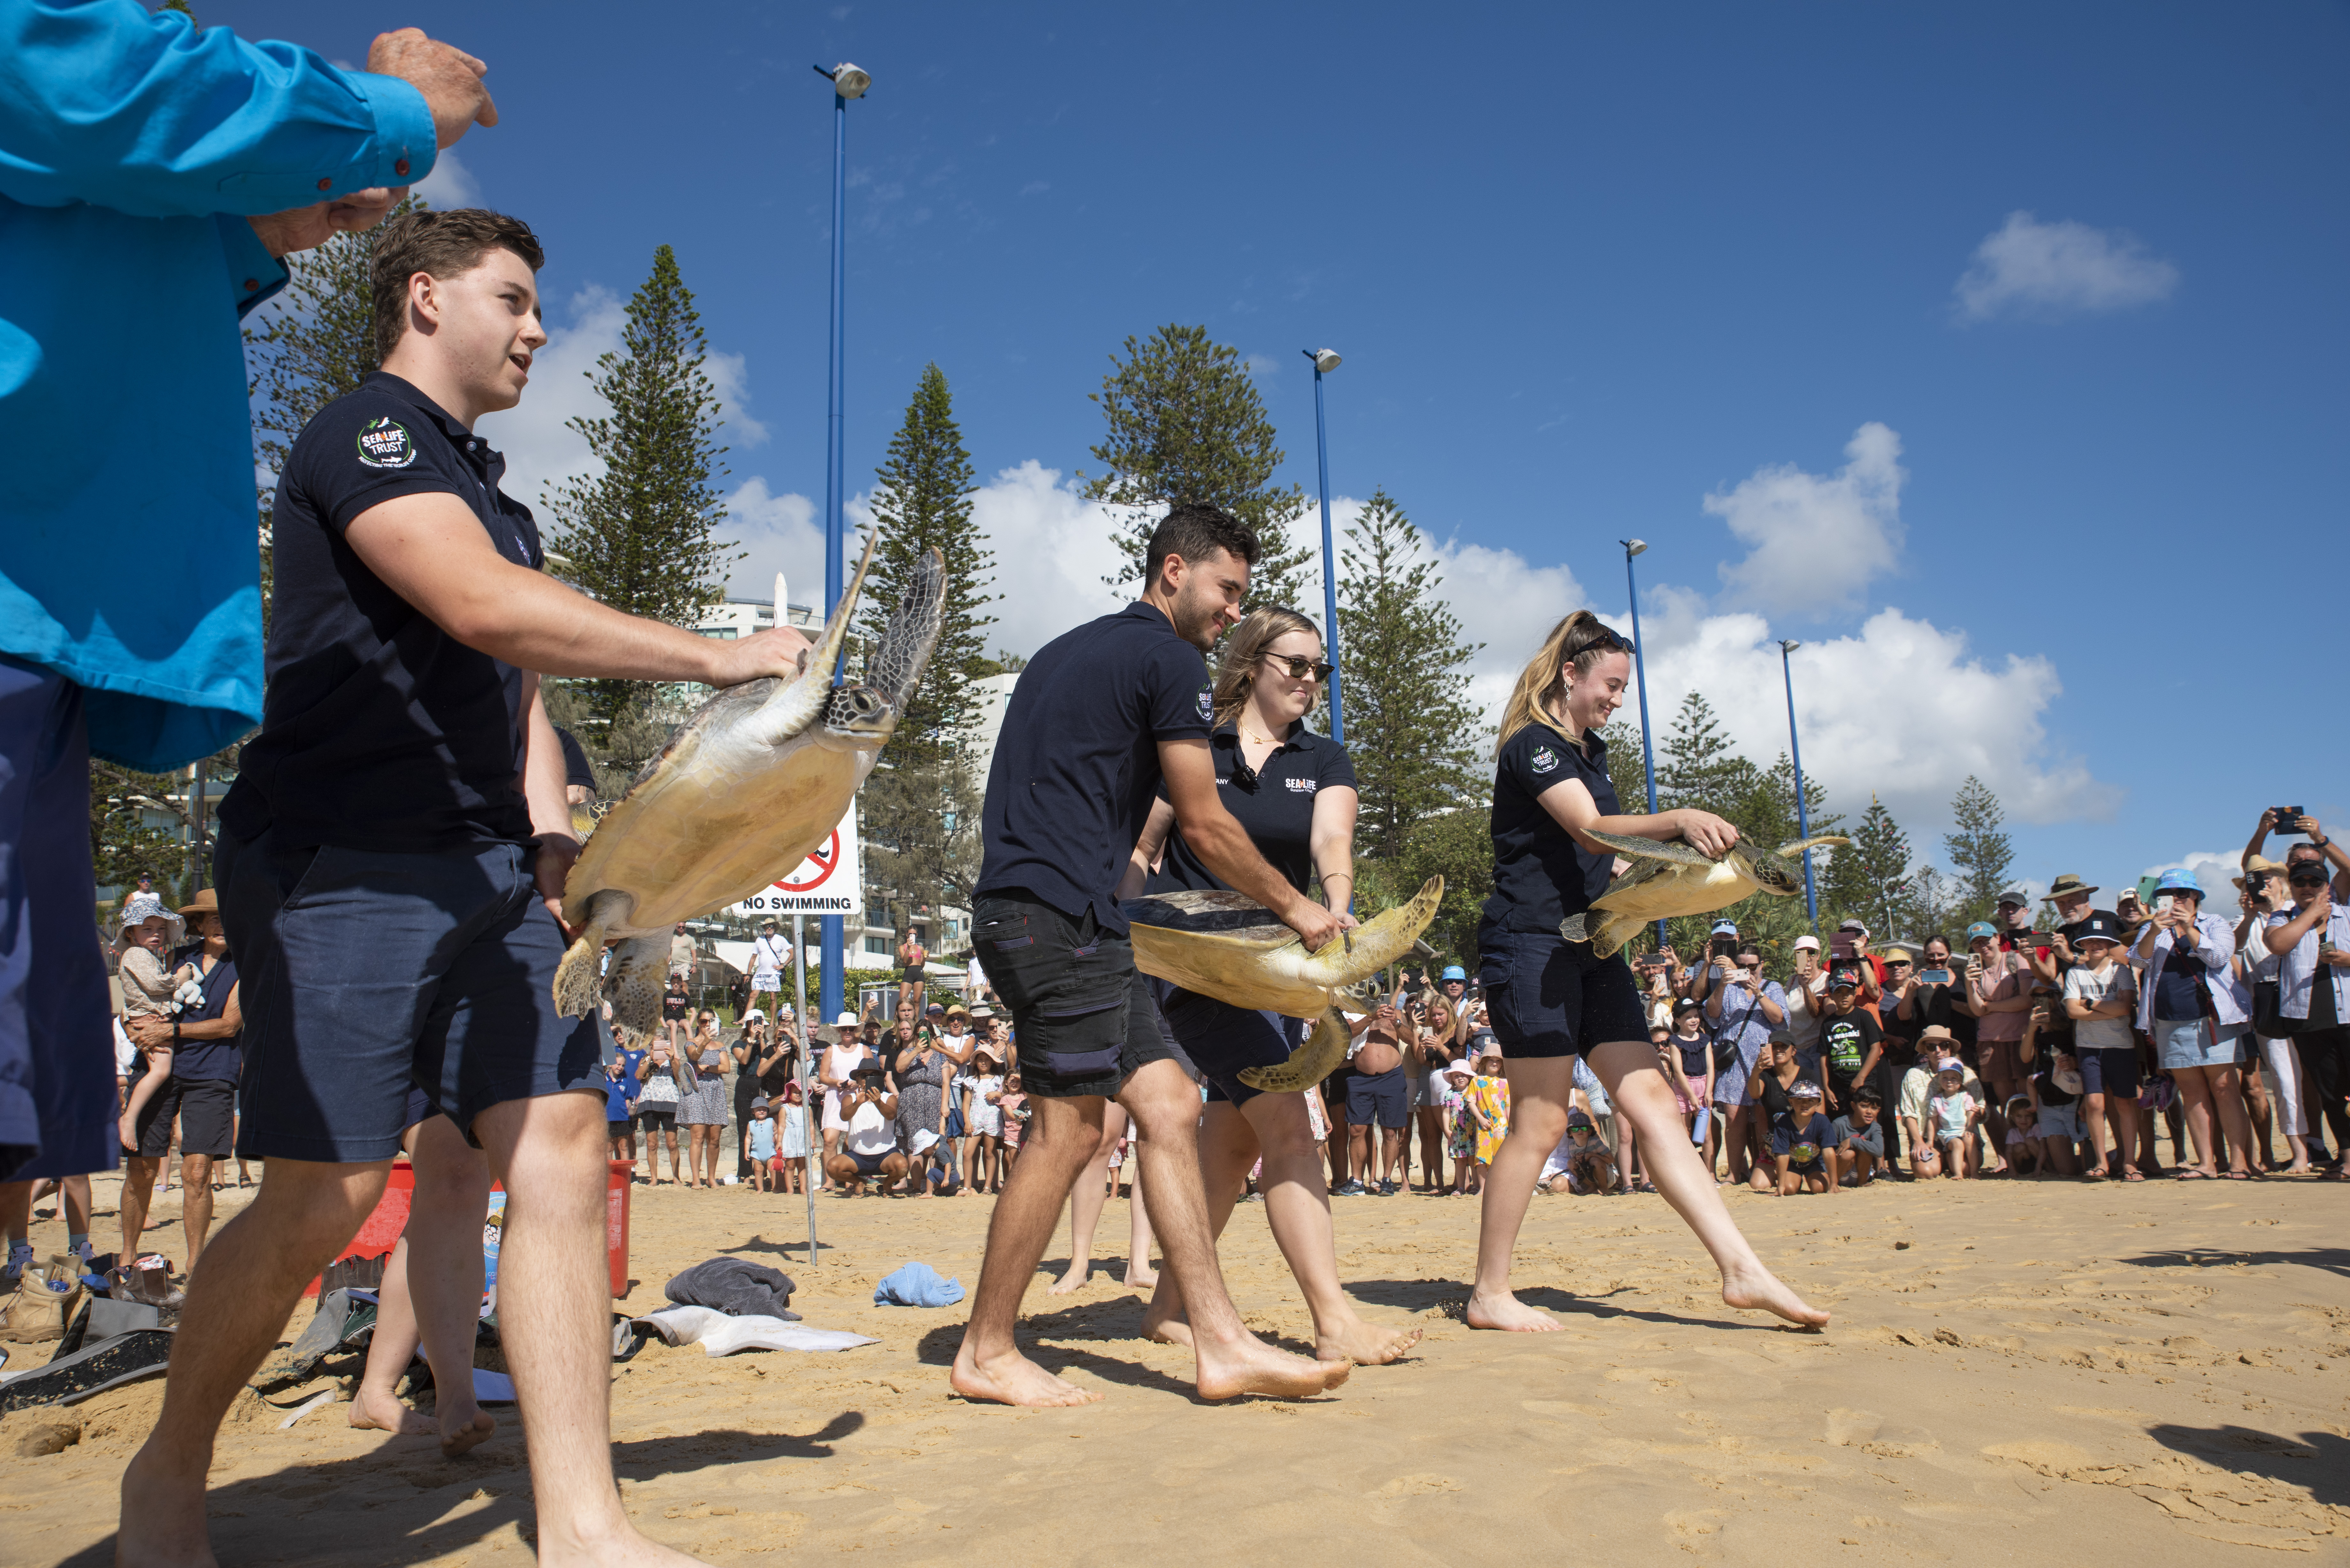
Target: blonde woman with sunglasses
[{"x": 1295, "y": 793}]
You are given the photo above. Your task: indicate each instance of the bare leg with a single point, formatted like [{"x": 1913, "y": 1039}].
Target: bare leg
[
  {"x": 2196, "y": 1091},
  {"x": 555, "y": 1305},
  {"x": 432, "y": 1292},
  {"x": 238, "y": 1301},
  {"x": 1086, "y": 1201},
  {"x": 196, "y": 1202},
  {"x": 1062, "y": 1141},
  {"x": 1230, "y": 1361},
  {"x": 2226, "y": 1084},
  {"x": 138, "y": 1194},
  {"x": 1139, "y": 1275}
]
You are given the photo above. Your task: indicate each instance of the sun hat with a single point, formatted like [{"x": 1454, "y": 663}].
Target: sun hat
[
  {"x": 982, "y": 1010},
  {"x": 1898, "y": 954},
  {"x": 1936, "y": 1035},
  {"x": 922, "y": 1141},
  {"x": 206, "y": 902},
  {"x": 141, "y": 907},
  {"x": 2257, "y": 864},
  {"x": 1807, "y": 941},
  {"x": 1983, "y": 929},
  {"x": 1460, "y": 1067},
  {"x": 1579, "y": 1119},
  {"x": 845, "y": 1021},
  {"x": 2069, "y": 886},
  {"x": 2178, "y": 879}
]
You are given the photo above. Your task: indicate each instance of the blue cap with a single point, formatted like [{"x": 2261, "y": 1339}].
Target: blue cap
[
  {"x": 1454, "y": 971},
  {"x": 1982, "y": 928},
  {"x": 2178, "y": 879},
  {"x": 1725, "y": 927}
]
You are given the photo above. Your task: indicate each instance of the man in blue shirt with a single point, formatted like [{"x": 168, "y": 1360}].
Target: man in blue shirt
[
  {"x": 151, "y": 176},
  {"x": 1098, "y": 716}
]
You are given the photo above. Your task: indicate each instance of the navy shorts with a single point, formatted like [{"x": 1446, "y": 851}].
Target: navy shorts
[
  {"x": 1219, "y": 1039},
  {"x": 1083, "y": 1016},
  {"x": 205, "y": 1109},
  {"x": 58, "y": 1108},
  {"x": 367, "y": 975},
  {"x": 1383, "y": 1098},
  {"x": 2109, "y": 1070},
  {"x": 1546, "y": 996}
]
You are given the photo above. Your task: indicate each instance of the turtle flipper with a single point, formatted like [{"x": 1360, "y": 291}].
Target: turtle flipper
[
  {"x": 1307, "y": 1065},
  {"x": 1789, "y": 851},
  {"x": 640, "y": 970},
  {"x": 1576, "y": 927},
  {"x": 1651, "y": 849},
  {"x": 578, "y": 979},
  {"x": 1613, "y": 933},
  {"x": 1365, "y": 949}
]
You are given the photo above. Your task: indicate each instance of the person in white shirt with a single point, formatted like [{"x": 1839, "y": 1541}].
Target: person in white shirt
[{"x": 771, "y": 955}]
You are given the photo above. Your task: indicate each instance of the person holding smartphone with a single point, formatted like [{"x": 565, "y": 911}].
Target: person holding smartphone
[
  {"x": 2192, "y": 1003},
  {"x": 2313, "y": 939}
]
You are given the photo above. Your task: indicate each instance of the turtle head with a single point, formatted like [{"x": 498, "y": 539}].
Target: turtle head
[
  {"x": 1772, "y": 876},
  {"x": 860, "y": 714}
]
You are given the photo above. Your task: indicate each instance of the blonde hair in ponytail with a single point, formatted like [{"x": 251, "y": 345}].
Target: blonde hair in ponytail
[
  {"x": 1581, "y": 639},
  {"x": 1259, "y": 630}
]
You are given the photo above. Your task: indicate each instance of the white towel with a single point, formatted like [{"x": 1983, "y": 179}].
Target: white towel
[{"x": 719, "y": 1335}]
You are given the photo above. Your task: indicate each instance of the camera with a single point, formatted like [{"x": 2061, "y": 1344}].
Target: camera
[{"x": 2287, "y": 816}]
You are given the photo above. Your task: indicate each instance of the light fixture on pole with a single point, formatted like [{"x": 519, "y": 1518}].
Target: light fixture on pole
[
  {"x": 1326, "y": 360},
  {"x": 1640, "y": 669},
  {"x": 1795, "y": 754},
  {"x": 847, "y": 82}
]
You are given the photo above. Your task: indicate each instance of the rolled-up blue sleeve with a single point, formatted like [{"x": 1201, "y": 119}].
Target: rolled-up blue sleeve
[{"x": 103, "y": 103}]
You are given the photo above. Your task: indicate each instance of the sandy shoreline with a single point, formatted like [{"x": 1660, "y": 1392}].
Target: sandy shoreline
[{"x": 2046, "y": 1373}]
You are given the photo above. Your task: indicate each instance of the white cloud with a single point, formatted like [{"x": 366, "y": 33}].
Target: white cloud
[
  {"x": 2030, "y": 268},
  {"x": 2216, "y": 870},
  {"x": 1815, "y": 541},
  {"x": 533, "y": 435},
  {"x": 451, "y": 184},
  {"x": 775, "y": 533},
  {"x": 1052, "y": 548}
]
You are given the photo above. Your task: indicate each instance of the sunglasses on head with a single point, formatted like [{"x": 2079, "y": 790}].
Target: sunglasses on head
[
  {"x": 1299, "y": 666},
  {"x": 1604, "y": 637}
]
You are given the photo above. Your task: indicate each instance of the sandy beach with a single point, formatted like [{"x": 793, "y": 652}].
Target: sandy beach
[{"x": 2038, "y": 1373}]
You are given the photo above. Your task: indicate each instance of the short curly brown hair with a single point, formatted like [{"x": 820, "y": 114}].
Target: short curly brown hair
[{"x": 441, "y": 244}]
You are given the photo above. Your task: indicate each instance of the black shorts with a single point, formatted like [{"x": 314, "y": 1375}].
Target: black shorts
[
  {"x": 1383, "y": 1098},
  {"x": 1083, "y": 1014},
  {"x": 867, "y": 1164},
  {"x": 1549, "y": 997},
  {"x": 1219, "y": 1039},
  {"x": 206, "y": 1109},
  {"x": 364, "y": 974}
]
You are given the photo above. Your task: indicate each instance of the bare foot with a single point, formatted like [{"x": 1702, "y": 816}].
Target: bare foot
[
  {"x": 1763, "y": 1289},
  {"x": 126, "y": 1131},
  {"x": 1170, "y": 1327},
  {"x": 1505, "y": 1311},
  {"x": 1074, "y": 1280},
  {"x": 379, "y": 1410},
  {"x": 464, "y": 1426},
  {"x": 1141, "y": 1277},
  {"x": 1366, "y": 1345},
  {"x": 1012, "y": 1379},
  {"x": 1248, "y": 1365},
  {"x": 165, "y": 1527}
]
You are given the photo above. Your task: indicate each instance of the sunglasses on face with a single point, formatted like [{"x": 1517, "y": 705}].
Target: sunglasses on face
[
  {"x": 1299, "y": 666},
  {"x": 2317, "y": 881}
]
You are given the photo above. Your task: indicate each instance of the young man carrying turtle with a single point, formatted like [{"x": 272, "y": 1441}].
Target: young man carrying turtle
[
  {"x": 391, "y": 862},
  {"x": 1099, "y": 717}
]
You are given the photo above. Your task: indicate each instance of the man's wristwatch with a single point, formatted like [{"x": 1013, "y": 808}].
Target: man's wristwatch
[{"x": 175, "y": 1032}]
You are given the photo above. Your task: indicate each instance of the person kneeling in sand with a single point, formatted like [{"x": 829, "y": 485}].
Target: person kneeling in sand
[
  {"x": 1582, "y": 1163},
  {"x": 868, "y": 1146}
]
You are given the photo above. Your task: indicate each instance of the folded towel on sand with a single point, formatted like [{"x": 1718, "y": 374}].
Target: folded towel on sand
[
  {"x": 719, "y": 1335},
  {"x": 916, "y": 1284},
  {"x": 735, "y": 1287}
]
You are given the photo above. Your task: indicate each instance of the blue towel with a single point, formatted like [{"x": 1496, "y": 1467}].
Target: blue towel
[{"x": 916, "y": 1284}]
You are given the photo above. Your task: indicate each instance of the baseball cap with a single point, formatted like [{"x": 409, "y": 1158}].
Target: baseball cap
[
  {"x": 1982, "y": 928},
  {"x": 1853, "y": 926},
  {"x": 1577, "y": 1120},
  {"x": 758, "y": 1102},
  {"x": 2017, "y": 897},
  {"x": 1802, "y": 1089},
  {"x": 1725, "y": 927},
  {"x": 755, "y": 1014},
  {"x": 1844, "y": 979},
  {"x": 1688, "y": 1005},
  {"x": 1454, "y": 971},
  {"x": 2100, "y": 926},
  {"x": 1811, "y": 942},
  {"x": 938, "y": 1008}
]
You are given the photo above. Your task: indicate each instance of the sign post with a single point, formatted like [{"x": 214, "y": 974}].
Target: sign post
[{"x": 811, "y": 1140}]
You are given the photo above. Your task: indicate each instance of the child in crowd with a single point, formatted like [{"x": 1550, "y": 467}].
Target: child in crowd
[
  {"x": 766, "y": 1168},
  {"x": 1582, "y": 1163},
  {"x": 2023, "y": 1154},
  {"x": 2054, "y": 1085},
  {"x": 792, "y": 1138},
  {"x": 149, "y": 987},
  {"x": 619, "y": 1101},
  {"x": 1858, "y": 1140},
  {"x": 1950, "y": 1115},
  {"x": 1461, "y": 1140},
  {"x": 2101, "y": 997},
  {"x": 1691, "y": 1070},
  {"x": 1801, "y": 1143},
  {"x": 1013, "y": 1104},
  {"x": 982, "y": 1089},
  {"x": 1486, "y": 1104}
]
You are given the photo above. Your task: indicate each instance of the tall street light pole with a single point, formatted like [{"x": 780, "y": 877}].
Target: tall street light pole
[
  {"x": 1640, "y": 669},
  {"x": 1795, "y": 754},
  {"x": 847, "y": 82},
  {"x": 1326, "y": 360}
]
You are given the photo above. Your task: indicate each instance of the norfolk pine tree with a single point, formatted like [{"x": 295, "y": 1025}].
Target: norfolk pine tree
[
  {"x": 638, "y": 534},
  {"x": 1869, "y": 879},
  {"x": 1186, "y": 424},
  {"x": 1980, "y": 853},
  {"x": 1411, "y": 730},
  {"x": 921, "y": 806}
]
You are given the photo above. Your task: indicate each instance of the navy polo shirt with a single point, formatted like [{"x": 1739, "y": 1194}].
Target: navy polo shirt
[
  {"x": 1076, "y": 763},
  {"x": 1541, "y": 875},
  {"x": 378, "y": 730},
  {"x": 1277, "y": 807}
]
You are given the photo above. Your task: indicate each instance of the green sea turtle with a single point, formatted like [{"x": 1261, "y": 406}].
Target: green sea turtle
[
  {"x": 1228, "y": 946},
  {"x": 753, "y": 783},
  {"x": 1670, "y": 879}
]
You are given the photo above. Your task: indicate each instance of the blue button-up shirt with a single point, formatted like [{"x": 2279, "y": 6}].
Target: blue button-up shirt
[{"x": 132, "y": 148}]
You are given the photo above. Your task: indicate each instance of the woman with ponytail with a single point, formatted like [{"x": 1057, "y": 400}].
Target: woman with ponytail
[{"x": 1550, "y": 1000}]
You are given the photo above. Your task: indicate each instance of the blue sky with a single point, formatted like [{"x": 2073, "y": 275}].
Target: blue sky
[{"x": 1747, "y": 283}]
